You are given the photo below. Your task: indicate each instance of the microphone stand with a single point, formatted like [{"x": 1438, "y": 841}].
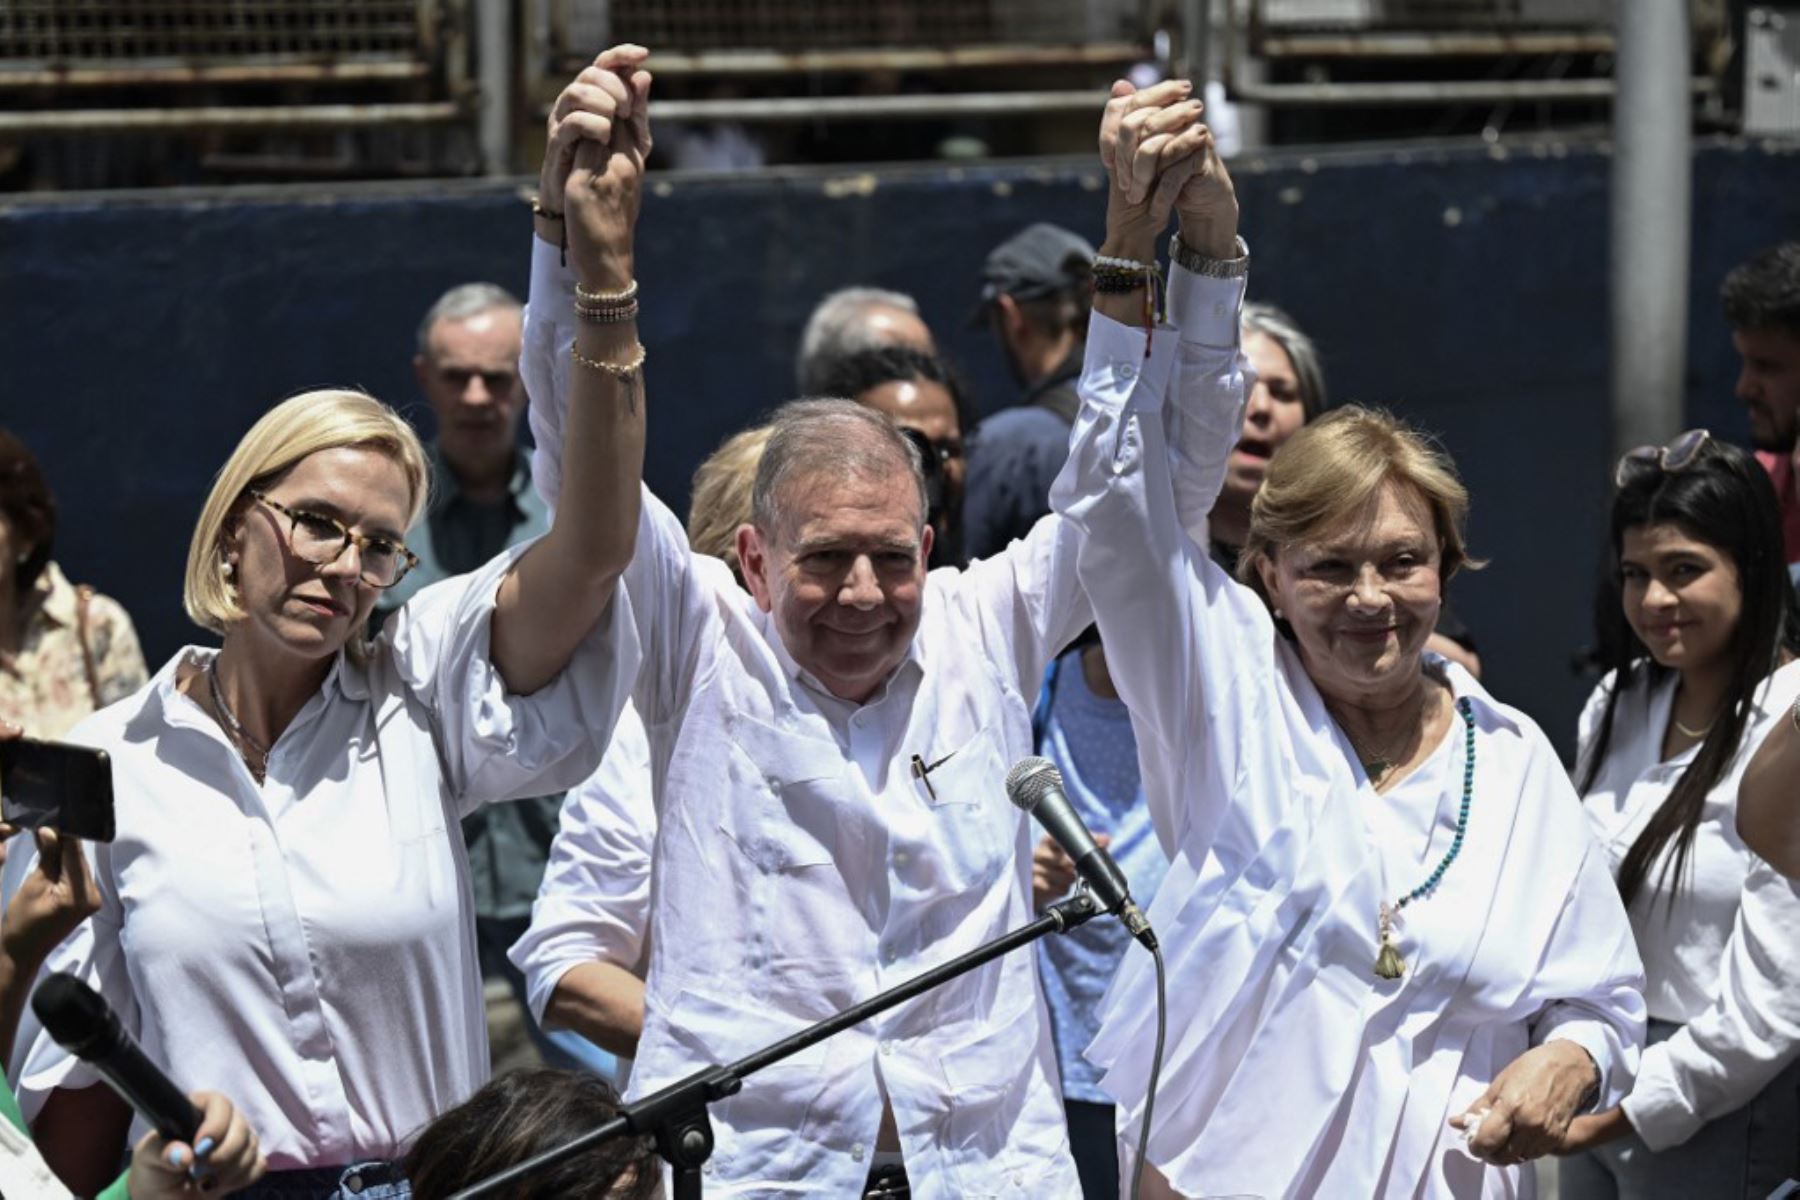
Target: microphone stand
[{"x": 676, "y": 1116}]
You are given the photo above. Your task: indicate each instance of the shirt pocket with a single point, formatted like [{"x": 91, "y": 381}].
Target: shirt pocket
[
  {"x": 784, "y": 793},
  {"x": 975, "y": 827}
]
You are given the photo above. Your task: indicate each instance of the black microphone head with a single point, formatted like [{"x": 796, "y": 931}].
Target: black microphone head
[
  {"x": 73, "y": 1013},
  {"x": 1030, "y": 780}
]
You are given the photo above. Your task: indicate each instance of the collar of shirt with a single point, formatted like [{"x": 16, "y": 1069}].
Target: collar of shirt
[
  {"x": 835, "y": 708},
  {"x": 446, "y": 487},
  {"x": 53, "y": 598}
]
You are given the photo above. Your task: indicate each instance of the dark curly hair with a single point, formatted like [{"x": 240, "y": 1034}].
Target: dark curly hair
[
  {"x": 1763, "y": 291},
  {"x": 28, "y": 508},
  {"x": 523, "y": 1114}
]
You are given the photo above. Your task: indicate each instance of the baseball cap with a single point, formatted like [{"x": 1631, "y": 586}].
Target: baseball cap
[{"x": 1038, "y": 260}]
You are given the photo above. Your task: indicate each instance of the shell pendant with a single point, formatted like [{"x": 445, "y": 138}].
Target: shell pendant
[{"x": 1388, "y": 963}]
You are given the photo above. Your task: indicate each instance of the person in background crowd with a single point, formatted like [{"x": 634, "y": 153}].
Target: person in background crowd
[
  {"x": 583, "y": 955},
  {"x": 1289, "y": 392},
  {"x": 1360, "y": 989},
  {"x": 1761, "y": 298},
  {"x": 482, "y": 502},
  {"x": 922, "y": 394},
  {"x": 852, "y": 320},
  {"x": 50, "y": 903},
  {"x": 64, "y": 650},
  {"x": 1034, "y": 296},
  {"x": 1768, "y": 816},
  {"x": 523, "y": 1114},
  {"x": 1703, "y": 628},
  {"x": 285, "y": 911}
]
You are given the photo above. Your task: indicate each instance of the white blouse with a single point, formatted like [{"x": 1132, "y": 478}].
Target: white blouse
[
  {"x": 1723, "y": 960},
  {"x": 307, "y": 946},
  {"x": 1292, "y": 1069}
]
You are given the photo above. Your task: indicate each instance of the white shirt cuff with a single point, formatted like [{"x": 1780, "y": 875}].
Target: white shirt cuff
[{"x": 1206, "y": 310}]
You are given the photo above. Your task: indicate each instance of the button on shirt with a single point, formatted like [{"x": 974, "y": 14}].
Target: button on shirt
[
  {"x": 1723, "y": 961},
  {"x": 800, "y": 867},
  {"x": 307, "y": 946}
]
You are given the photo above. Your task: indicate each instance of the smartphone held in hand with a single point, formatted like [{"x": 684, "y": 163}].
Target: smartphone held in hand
[{"x": 57, "y": 785}]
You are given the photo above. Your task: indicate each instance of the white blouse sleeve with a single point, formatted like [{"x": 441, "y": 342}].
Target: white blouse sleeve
[
  {"x": 494, "y": 744},
  {"x": 594, "y": 903},
  {"x": 92, "y": 954},
  {"x": 1723, "y": 1057}
]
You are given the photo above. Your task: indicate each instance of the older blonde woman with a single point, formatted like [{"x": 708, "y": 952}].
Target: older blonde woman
[
  {"x": 1384, "y": 909},
  {"x": 285, "y": 914}
]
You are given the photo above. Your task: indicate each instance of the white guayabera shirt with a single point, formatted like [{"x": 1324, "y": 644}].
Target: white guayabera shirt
[
  {"x": 800, "y": 867},
  {"x": 1292, "y": 1069},
  {"x": 307, "y": 946},
  {"x": 1724, "y": 960}
]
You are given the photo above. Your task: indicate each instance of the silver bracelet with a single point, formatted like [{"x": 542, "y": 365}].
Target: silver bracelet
[{"x": 1213, "y": 268}]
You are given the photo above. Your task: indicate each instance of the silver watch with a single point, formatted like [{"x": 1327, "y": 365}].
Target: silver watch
[{"x": 1214, "y": 268}]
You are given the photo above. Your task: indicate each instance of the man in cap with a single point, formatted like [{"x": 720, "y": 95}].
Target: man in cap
[{"x": 1035, "y": 298}]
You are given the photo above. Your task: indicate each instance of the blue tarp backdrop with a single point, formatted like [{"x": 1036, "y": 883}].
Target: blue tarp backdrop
[{"x": 1463, "y": 286}]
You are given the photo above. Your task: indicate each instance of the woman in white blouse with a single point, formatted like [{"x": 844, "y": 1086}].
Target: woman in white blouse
[
  {"x": 285, "y": 914},
  {"x": 1703, "y": 632},
  {"x": 1387, "y": 926}
]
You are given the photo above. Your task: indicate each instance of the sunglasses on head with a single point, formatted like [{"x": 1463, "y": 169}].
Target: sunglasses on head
[{"x": 1672, "y": 459}]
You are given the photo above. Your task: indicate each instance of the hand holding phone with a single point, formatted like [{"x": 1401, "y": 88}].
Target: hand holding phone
[{"x": 54, "y": 785}]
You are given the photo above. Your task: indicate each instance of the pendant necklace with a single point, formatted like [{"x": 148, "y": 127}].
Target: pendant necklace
[
  {"x": 235, "y": 727},
  {"x": 1388, "y": 963}
]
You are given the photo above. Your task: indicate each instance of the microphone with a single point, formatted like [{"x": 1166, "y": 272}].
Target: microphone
[
  {"x": 75, "y": 1015},
  {"x": 1035, "y": 785}
]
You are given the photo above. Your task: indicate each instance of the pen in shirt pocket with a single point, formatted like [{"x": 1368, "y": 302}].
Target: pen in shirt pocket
[{"x": 922, "y": 771}]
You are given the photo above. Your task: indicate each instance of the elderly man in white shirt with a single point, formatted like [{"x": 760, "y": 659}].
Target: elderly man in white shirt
[{"x": 828, "y": 754}]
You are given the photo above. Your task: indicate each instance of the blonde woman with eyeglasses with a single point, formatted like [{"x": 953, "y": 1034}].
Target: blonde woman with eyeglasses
[{"x": 286, "y": 913}]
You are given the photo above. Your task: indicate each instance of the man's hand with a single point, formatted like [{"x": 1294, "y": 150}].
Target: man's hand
[
  {"x": 612, "y": 90},
  {"x": 1151, "y": 143},
  {"x": 1595, "y": 1129},
  {"x": 223, "y": 1158},
  {"x": 1053, "y": 871},
  {"x": 604, "y": 188},
  {"x": 1526, "y": 1111},
  {"x": 51, "y": 902}
]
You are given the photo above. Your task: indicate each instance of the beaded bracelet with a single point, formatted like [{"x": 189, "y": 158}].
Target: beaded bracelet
[
  {"x": 606, "y": 299},
  {"x": 620, "y": 371},
  {"x": 1122, "y": 276},
  {"x": 608, "y": 316}
]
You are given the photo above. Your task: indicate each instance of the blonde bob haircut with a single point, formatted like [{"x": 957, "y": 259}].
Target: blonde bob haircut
[
  {"x": 1332, "y": 471},
  {"x": 299, "y": 426},
  {"x": 721, "y": 498}
]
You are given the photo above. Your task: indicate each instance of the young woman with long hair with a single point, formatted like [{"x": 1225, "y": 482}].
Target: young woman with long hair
[{"x": 1701, "y": 632}]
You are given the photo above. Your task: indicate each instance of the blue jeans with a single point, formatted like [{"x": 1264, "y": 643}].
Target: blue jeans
[
  {"x": 1743, "y": 1155},
  {"x": 363, "y": 1181}
]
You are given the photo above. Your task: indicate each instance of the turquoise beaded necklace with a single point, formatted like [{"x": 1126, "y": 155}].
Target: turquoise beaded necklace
[{"x": 1388, "y": 963}]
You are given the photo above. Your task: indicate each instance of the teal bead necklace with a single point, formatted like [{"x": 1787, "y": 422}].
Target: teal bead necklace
[{"x": 1388, "y": 963}]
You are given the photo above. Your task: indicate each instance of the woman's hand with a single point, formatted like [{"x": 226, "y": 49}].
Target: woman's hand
[
  {"x": 51, "y": 902},
  {"x": 1595, "y": 1129},
  {"x": 223, "y": 1158},
  {"x": 604, "y": 93},
  {"x": 1152, "y": 145},
  {"x": 1526, "y": 1111},
  {"x": 608, "y": 140}
]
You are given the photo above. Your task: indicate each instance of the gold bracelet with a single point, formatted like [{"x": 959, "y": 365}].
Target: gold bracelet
[
  {"x": 608, "y": 299},
  {"x": 624, "y": 370},
  {"x": 608, "y": 316}
]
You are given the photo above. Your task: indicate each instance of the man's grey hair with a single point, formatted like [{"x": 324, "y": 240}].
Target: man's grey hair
[
  {"x": 461, "y": 302},
  {"x": 810, "y": 439},
  {"x": 838, "y": 328},
  {"x": 1275, "y": 324}
]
